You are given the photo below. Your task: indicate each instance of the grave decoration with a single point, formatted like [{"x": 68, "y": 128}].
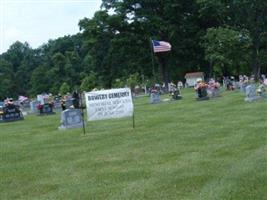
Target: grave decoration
[
  {"x": 71, "y": 118},
  {"x": 213, "y": 89},
  {"x": 76, "y": 100},
  {"x": 261, "y": 91},
  {"x": 10, "y": 112},
  {"x": 175, "y": 92},
  {"x": 201, "y": 90},
  {"x": 46, "y": 105},
  {"x": 230, "y": 83}
]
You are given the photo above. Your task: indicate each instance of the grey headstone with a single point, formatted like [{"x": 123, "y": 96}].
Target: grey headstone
[
  {"x": 71, "y": 118},
  {"x": 68, "y": 103},
  {"x": 243, "y": 87},
  {"x": 33, "y": 106},
  {"x": 154, "y": 98},
  {"x": 251, "y": 93},
  {"x": 57, "y": 104},
  {"x": 47, "y": 108}
]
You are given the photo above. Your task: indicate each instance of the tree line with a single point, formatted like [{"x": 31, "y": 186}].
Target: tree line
[{"x": 113, "y": 48}]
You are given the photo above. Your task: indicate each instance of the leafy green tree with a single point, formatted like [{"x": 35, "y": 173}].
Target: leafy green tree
[
  {"x": 6, "y": 75},
  {"x": 119, "y": 83},
  {"x": 89, "y": 82},
  {"x": 39, "y": 81},
  {"x": 64, "y": 88},
  {"x": 251, "y": 15},
  {"x": 226, "y": 50},
  {"x": 133, "y": 80}
]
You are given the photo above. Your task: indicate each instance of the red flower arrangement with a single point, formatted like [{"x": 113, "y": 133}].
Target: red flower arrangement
[{"x": 40, "y": 106}]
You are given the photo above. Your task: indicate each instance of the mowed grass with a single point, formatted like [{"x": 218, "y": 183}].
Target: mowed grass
[{"x": 185, "y": 149}]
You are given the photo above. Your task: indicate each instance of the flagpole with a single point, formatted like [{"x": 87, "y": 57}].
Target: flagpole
[
  {"x": 81, "y": 107},
  {"x": 152, "y": 56}
]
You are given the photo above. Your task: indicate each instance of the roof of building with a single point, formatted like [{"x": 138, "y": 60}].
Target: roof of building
[{"x": 194, "y": 74}]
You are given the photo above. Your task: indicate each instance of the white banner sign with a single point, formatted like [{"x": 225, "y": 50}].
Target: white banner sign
[{"x": 106, "y": 104}]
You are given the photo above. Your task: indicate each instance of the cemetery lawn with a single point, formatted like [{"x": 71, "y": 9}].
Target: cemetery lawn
[{"x": 185, "y": 149}]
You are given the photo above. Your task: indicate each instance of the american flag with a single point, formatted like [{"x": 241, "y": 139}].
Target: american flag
[{"x": 161, "y": 46}]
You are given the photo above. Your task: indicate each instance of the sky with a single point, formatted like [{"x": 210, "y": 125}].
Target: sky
[{"x": 37, "y": 21}]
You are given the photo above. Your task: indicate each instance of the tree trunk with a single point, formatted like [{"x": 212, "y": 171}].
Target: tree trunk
[
  {"x": 255, "y": 65},
  {"x": 164, "y": 71},
  {"x": 210, "y": 69}
]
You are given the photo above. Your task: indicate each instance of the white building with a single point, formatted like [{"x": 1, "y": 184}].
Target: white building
[{"x": 191, "y": 78}]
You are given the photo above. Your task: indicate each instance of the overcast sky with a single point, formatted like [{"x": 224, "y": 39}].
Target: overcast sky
[{"x": 37, "y": 21}]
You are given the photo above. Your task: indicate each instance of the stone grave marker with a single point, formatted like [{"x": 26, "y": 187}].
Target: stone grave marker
[
  {"x": 46, "y": 109},
  {"x": 71, "y": 118},
  {"x": 69, "y": 103},
  {"x": 251, "y": 93},
  {"x": 11, "y": 113},
  {"x": 33, "y": 106},
  {"x": 154, "y": 97}
]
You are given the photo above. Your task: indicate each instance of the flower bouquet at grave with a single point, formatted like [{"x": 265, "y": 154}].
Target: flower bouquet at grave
[
  {"x": 175, "y": 92},
  {"x": 213, "y": 88},
  {"x": 261, "y": 91},
  {"x": 201, "y": 89},
  {"x": 40, "y": 107}
]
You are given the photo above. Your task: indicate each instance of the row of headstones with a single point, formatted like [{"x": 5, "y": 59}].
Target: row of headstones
[
  {"x": 251, "y": 91},
  {"x": 252, "y": 94},
  {"x": 57, "y": 105},
  {"x": 205, "y": 94},
  {"x": 70, "y": 118}
]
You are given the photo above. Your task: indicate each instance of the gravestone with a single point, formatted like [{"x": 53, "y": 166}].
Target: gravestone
[
  {"x": 202, "y": 94},
  {"x": 11, "y": 113},
  {"x": 154, "y": 97},
  {"x": 251, "y": 93},
  {"x": 57, "y": 104},
  {"x": 46, "y": 109},
  {"x": 33, "y": 106},
  {"x": 243, "y": 86},
  {"x": 68, "y": 103},
  {"x": 71, "y": 118}
]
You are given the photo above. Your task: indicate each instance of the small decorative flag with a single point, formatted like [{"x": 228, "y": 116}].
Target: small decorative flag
[{"x": 161, "y": 46}]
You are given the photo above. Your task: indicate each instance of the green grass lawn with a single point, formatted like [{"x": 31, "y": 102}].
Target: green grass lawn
[{"x": 185, "y": 149}]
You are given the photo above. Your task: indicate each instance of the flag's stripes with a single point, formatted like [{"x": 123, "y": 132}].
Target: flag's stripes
[{"x": 160, "y": 46}]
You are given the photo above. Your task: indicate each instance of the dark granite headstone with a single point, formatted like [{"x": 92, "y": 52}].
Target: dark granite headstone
[
  {"x": 71, "y": 118},
  {"x": 202, "y": 94},
  {"x": 11, "y": 113}
]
